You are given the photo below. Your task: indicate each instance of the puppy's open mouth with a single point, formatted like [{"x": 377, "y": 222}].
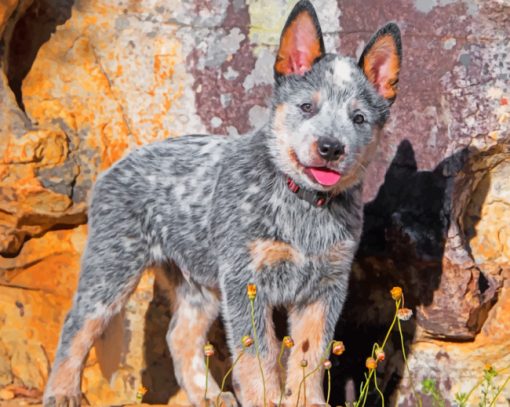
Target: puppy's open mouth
[{"x": 322, "y": 175}]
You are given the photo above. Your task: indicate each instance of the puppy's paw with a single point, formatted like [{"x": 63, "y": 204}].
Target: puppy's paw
[
  {"x": 226, "y": 399},
  {"x": 62, "y": 401},
  {"x": 308, "y": 404}
]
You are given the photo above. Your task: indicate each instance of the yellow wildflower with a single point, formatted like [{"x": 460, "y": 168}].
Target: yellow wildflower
[
  {"x": 371, "y": 363},
  {"x": 338, "y": 348},
  {"x": 247, "y": 341},
  {"x": 208, "y": 350},
  {"x": 396, "y": 293},
  {"x": 380, "y": 355},
  {"x": 252, "y": 291},
  {"x": 141, "y": 392},
  {"x": 288, "y": 342}
]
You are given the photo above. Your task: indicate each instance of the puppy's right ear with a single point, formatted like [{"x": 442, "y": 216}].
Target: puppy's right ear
[{"x": 301, "y": 43}]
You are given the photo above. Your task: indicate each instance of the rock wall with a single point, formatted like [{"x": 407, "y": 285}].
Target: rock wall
[{"x": 83, "y": 82}]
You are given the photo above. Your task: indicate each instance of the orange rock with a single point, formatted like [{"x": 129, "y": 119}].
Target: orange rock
[
  {"x": 86, "y": 93},
  {"x": 40, "y": 147},
  {"x": 491, "y": 199},
  {"x": 6, "y": 394},
  {"x": 460, "y": 365},
  {"x": 30, "y": 364},
  {"x": 36, "y": 289},
  {"x": 6, "y": 9},
  {"x": 92, "y": 104},
  {"x": 27, "y": 207}
]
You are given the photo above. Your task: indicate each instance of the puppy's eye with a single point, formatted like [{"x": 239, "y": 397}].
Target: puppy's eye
[
  {"x": 358, "y": 118},
  {"x": 306, "y": 107}
]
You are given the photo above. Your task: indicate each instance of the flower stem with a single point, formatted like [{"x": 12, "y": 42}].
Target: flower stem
[
  {"x": 501, "y": 388},
  {"x": 364, "y": 390},
  {"x": 229, "y": 371},
  {"x": 304, "y": 385},
  {"x": 378, "y": 390},
  {"x": 479, "y": 383},
  {"x": 282, "y": 370},
  {"x": 255, "y": 338},
  {"x": 395, "y": 318},
  {"x": 329, "y": 387},
  {"x": 416, "y": 397},
  {"x": 206, "y": 377},
  {"x": 324, "y": 356}
]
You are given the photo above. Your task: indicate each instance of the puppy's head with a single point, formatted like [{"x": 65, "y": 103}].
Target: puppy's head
[{"x": 328, "y": 110}]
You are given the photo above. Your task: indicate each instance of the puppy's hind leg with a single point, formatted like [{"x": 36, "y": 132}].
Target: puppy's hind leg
[
  {"x": 108, "y": 277},
  {"x": 195, "y": 309}
]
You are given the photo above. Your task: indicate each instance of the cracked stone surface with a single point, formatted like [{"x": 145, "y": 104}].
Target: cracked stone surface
[{"x": 84, "y": 82}]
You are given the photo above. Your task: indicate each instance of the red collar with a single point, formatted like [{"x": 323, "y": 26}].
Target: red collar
[{"x": 318, "y": 199}]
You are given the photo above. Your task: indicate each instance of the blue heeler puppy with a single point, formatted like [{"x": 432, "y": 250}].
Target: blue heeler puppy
[{"x": 280, "y": 208}]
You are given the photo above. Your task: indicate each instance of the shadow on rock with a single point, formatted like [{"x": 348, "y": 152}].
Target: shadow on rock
[{"x": 403, "y": 244}]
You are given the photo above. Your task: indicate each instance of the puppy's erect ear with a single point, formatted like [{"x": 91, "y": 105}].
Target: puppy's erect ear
[
  {"x": 301, "y": 43},
  {"x": 380, "y": 60}
]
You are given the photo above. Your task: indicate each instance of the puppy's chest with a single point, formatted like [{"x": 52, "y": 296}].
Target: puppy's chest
[
  {"x": 270, "y": 255},
  {"x": 287, "y": 273}
]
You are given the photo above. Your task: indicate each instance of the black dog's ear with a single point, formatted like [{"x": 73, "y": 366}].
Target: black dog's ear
[
  {"x": 381, "y": 58},
  {"x": 301, "y": 43}
]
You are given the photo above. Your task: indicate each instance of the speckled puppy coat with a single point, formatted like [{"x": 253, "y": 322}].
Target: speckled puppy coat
[{"x": 280, "y": 208}]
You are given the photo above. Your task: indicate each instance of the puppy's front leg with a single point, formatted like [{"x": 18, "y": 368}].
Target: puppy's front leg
[
  {"x": 312, "y": 327},
  {"x": 249, "y": 384}
]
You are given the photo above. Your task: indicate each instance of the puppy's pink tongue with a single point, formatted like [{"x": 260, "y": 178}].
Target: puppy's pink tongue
[{"x": 325, "y": 176}]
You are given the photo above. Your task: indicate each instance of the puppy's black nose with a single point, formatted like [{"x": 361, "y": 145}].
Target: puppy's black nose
[{"x": 329, "y": 148}]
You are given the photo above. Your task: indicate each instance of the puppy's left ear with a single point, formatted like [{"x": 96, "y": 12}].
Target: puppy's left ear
[
  {"x": 381, "y": 58},
  {"x": 301, "y": 43}
]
